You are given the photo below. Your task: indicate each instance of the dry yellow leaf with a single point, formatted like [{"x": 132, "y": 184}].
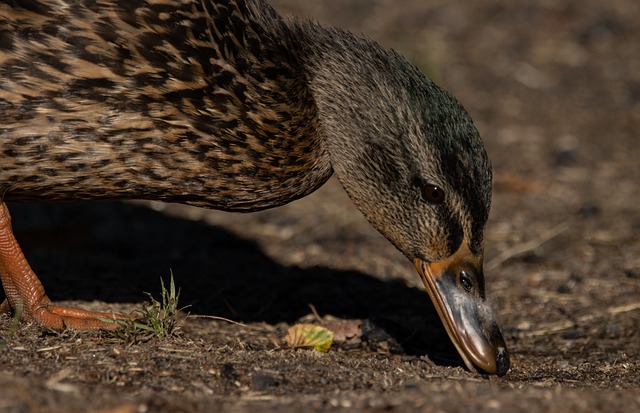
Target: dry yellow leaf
[{"x": 309, "y": 336}]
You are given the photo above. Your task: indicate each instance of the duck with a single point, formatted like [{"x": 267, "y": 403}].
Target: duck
[{"x": 226, "y": 104}]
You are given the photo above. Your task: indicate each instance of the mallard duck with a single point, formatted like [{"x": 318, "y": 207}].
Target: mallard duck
[{"x": 227, "y": 105}]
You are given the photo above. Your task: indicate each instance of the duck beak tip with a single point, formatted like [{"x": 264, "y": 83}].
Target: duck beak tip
[{"x": 466, "y": 316}]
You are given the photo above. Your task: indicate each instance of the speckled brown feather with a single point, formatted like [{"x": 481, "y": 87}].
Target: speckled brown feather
[{"x": 185, "y": 101}]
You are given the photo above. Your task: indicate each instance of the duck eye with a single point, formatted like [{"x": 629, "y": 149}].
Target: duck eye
[
  {"x": 432, "y": 194},
  {"x": 466, "y": 282}
]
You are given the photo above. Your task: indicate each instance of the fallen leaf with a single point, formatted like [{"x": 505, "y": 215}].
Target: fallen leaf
[
  {"x": 343, "y": 330},
  {"x": 309, "y": 336}
]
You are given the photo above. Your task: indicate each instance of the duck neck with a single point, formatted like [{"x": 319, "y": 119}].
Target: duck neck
[
  {"x": 358, "y": 88},
  {"x": 360, "y": 104}
]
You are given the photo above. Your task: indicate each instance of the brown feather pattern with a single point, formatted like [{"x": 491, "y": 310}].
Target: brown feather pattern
[{"x": 185, "y": 101}]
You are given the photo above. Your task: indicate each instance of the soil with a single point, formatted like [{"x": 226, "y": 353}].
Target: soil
[{"x": 554, "y": 88}]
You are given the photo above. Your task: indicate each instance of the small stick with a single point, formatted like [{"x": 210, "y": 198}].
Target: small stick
[
  {"x": 213, "y": 317},
  {"x": 565, "y": 325},
  {"x": 526, "y": 246},
  {"x": 315, "y": 312}
]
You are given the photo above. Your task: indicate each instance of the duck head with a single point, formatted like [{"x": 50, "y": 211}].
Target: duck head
[{"x": 410, "y": 158}]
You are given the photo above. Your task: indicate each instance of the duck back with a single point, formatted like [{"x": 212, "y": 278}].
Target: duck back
[{"x": 198, "y": 102}]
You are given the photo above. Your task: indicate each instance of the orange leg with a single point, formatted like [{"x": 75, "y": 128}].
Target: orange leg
[{"x": 25, "y": 293}]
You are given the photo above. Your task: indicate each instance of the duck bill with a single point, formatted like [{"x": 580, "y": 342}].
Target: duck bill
[{"x": 465, "y": 314}]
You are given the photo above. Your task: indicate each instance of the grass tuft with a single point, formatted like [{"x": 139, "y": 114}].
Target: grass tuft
[{"x": 158, "y": 318}]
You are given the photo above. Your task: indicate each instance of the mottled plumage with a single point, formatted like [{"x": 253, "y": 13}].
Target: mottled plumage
[
  {"x": 227, "y": 105},
  {"x": 184, "y": 101}
]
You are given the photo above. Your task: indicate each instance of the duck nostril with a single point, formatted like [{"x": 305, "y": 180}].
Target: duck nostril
[{"x": 502, "y": 361}]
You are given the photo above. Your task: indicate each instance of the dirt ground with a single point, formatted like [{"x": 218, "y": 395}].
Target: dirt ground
[{"x": 554, "y": 88}]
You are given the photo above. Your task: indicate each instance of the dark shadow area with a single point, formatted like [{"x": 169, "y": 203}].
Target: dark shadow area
[{"x": 114, "y": 252}]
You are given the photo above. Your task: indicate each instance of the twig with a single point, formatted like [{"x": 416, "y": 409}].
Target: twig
[
  {"x": 567, "y": 324},
  {"x": 526, "y": 246},
  {"x": 315, "y": 312},
  {"x": 213, "y": 317}
]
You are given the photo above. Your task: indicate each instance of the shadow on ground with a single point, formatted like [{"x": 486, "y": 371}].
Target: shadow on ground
[{"x": 115, "y": 252}]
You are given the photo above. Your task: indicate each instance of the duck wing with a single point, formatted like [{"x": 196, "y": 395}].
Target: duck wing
[{"x": 198, "y": 102}]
